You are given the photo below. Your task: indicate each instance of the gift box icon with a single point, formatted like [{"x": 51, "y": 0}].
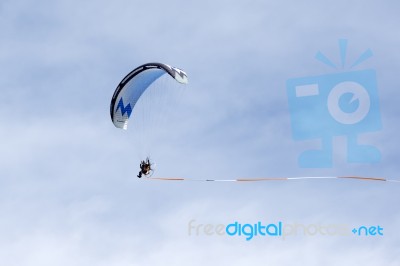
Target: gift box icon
[{"x": 337, "y": 104}]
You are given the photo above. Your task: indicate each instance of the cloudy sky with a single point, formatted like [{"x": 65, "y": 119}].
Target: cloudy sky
[{"x": 68, "y": 188}]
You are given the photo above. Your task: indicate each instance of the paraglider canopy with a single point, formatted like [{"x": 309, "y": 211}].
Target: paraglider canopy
[{"x": 132, "y": 87}]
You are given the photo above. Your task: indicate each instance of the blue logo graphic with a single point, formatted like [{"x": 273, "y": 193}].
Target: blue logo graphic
[
  {"x": 337, "y": 104},
  {"x": 124, "y": 109}
]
